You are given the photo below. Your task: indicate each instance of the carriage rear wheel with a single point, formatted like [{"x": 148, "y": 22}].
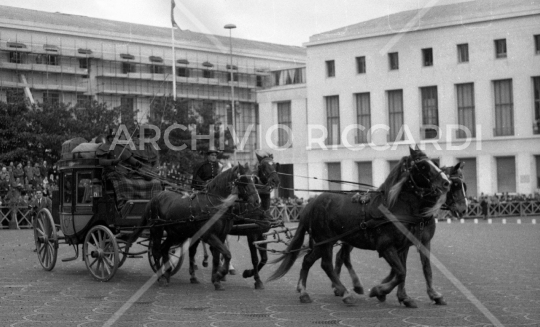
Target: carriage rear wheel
[
  {"x": 175, "y": 254},
  {"x": 46, "y": 239},
  {"x": 100, "y": 252}
]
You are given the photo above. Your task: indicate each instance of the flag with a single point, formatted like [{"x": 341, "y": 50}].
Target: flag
[{"x": 172, "y": 14}]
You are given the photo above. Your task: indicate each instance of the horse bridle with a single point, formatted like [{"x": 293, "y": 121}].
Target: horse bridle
[
  {"x": 450, "y": 196},
  {"x": 267, "y": 176},
  {"x": 237, "y": 186},
  {"x": 420, "y": 191}
]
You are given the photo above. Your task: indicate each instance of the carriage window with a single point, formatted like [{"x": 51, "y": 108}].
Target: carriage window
[
  {"x": 67, "y": 188},
  {"x": 84, "y": 187}
]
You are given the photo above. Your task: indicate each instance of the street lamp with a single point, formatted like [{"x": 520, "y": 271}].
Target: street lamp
[{"x": 230, "y": 27}]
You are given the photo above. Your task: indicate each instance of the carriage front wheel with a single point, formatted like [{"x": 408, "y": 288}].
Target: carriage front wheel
[
  {"x": 175, "y": 254},
  {"x": 100, "y": 251},
  {"x": 46, "y": 239}
]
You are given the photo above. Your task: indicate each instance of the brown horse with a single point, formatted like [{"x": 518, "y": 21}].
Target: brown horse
[
  {"x": 414, "y": 190},
  {"x": 183, "y": 217},
  {"x": 456, "y": 202}
]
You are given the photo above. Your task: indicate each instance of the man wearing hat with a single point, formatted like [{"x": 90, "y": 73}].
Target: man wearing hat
[{"x": 206, "y": 170}]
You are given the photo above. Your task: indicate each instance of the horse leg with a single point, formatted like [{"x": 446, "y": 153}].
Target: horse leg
[
  {"x": 192, "y": 265},
  {"x": 327, "y": 266},
  {"x": 165, "y": 278},
  {"x": 309, "y": 259},
  {"x": 426, "y": 267},
  {"x": 394, "y": 260},
  {"x": 255, "y": 262},
  {"x": 232, "y": 271},
  {"x": 343, "y": 257},
  {"x": 218, "y": 271},
  {"x": 401, "y": 293},
  {"x": 205, "y": 257}
]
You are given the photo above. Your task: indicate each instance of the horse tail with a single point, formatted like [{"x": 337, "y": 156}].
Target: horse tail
[{"x": 293, "y": 249}]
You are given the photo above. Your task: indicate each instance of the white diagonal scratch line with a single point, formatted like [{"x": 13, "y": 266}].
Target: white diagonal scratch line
[
  {"x": 219, "y": 45},
  {"x": 464, "y": 290},
  {"x": 408, "y": 27}
]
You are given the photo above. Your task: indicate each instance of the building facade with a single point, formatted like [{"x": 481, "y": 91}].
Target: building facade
[
  {"x": 461, "y": 81},
  {"x": 73, "y": 59}
]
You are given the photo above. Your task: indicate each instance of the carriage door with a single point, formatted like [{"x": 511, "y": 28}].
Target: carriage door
[
  {"x": 66, "y": 200},
  {"x": 83, "y": 199}
]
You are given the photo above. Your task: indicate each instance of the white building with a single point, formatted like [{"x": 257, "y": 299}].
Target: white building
[
  {"x": 422, "y": 72},
  {"x": 67, "y": 58}
]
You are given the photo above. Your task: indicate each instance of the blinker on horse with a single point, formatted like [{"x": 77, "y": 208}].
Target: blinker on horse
[
  {"x": 183, "y": 217},
  {"x": 414, "y": 190}
]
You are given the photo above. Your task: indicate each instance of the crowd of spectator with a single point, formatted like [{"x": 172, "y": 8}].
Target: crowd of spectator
[
  {"x": 19, "y": 185},
  {"x": 504, "y": 198}
]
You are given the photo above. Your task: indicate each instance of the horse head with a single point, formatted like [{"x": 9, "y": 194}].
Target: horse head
[
  {"x": 456, "y": 198},
  {"x": 425, "y": 177},
  {"x": 418, "y": 175},
  {"x": 243, "y": 185},
  {"x": 267, "y": 170}
]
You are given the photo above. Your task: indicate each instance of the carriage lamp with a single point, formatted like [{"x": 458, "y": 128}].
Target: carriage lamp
[{"x": 97, "y": 191}]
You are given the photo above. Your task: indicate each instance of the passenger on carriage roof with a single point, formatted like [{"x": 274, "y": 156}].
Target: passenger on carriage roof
[{"x": 205, "y": 171}]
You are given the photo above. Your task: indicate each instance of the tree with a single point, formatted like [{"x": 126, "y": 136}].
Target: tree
[{"x": 190, "y": 113}]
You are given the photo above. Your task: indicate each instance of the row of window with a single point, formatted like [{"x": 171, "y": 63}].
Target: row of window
[
  {"x": 505, "y": 173},
  {"x": 128, "y": 67},
  {"x": 465, "y": 96},
  {"x": 500, "y": 50}
]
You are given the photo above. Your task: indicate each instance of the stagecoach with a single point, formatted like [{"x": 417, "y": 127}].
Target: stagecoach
[{"x": 86, "y": 215}]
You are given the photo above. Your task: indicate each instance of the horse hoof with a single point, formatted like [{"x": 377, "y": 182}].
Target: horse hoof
[
  {"x": 304, "y": 298},
  {"x": 358, "y": 290},
  {"x": 247, "y": 274},
  {"x": 440, "y": 301},
  {"x": 232, "y": 271},
  {"x": 219, "y": 287},
  {"x": 409, "y": 303},
  {"x": 349, "y": 299},
  {"x": 163, "y": 282},
  {"x": 374, "y": 292},
  {"x": 259, "y": 285},
  {"x": 194, "y": 280},
  {"x": 336, "y": 293}
]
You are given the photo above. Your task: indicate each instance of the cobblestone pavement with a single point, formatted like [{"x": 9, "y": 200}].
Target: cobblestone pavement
[{"x": 498, "y": 263}]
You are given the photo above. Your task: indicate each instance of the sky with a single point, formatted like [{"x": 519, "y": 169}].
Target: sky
[{"x": 289, "y": 22}]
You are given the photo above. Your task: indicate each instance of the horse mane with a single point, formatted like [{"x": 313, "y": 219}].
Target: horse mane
[
  {"x": 220, "y": 183},
  {"x": 393, "y": 184}
]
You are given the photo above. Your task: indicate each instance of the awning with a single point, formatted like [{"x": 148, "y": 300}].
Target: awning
[{"x": 127, "y": 56}]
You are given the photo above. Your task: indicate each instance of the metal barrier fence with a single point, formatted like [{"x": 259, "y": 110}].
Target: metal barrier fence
[
  {"x": 508, "y": 209},
  {"x": 21, "y": 217},
  {"x": 15, "y": 217}
]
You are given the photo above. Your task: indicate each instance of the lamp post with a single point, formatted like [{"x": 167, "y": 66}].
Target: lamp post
[{"x": 230, "y": 27}]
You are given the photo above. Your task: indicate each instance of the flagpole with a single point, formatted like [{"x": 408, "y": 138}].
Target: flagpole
[
  {"x": 173, "y": 65},
  {"x": 173, "y": 25}
]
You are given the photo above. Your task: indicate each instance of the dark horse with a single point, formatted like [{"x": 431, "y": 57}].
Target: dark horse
[
  {"x": 182, "y": 217},
  {"x": 456, "y": 202},
  {"x": 253, "y": 222},
  {"x": 259, "y": 220},
  {"x": 415, "y": 189}
]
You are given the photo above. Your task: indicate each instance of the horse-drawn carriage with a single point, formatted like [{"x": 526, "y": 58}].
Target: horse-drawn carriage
[
  {"x": 86, "y": 211},
  {"x": 100, "y": 211}
]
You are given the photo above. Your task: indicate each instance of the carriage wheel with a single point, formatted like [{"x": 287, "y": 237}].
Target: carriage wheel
[
  {"x": 175, "y": 254},
  {"x": 46, "y": 239},
  {"x": 100, "y": 252}
]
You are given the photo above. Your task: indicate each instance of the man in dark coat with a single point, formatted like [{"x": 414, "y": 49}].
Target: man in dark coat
[{"x": 205, "y": 171}]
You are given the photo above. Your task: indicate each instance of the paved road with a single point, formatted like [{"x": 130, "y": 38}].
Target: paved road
[{"x": 499, "y": 264}]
